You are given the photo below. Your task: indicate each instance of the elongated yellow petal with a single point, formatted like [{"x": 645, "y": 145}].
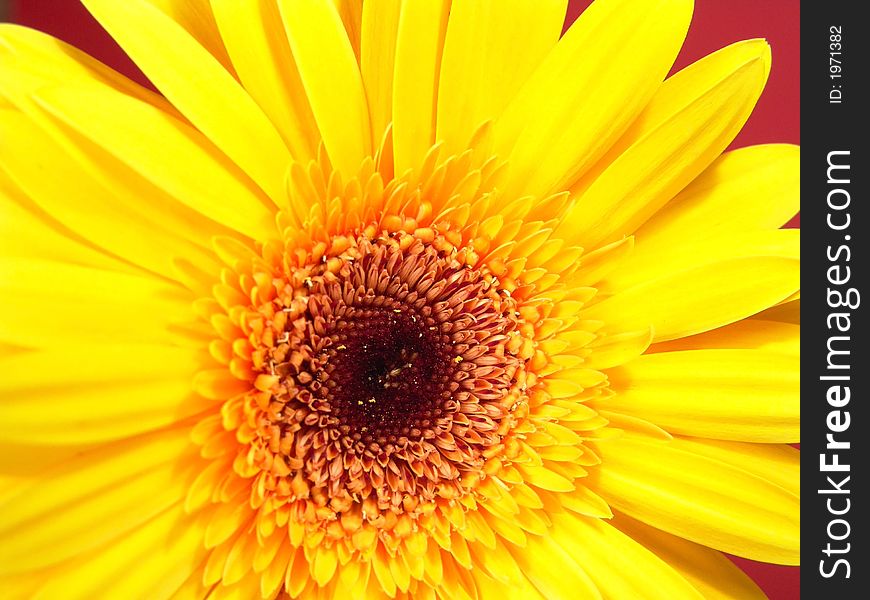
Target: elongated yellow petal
[
  {"x": 777, "y": 463},
  {"x": 519, "y": 589},
  {"x": 750, "y": 188},
  {"x": 350, "y": 12},
  {"x": 174, "y": 556},
  {"x": 95, "y": 498},
  {"x": 21, "y": 222},
  {"x": 553, "y": 570},
  {"x": 257, "y": 43},
  {"x": 745, "y": 395},
  {"x": 52, "y": 61},
  {"x": 613, "y": 350},
  {"x": 586, "y": 502},
  {"x": 419, "y": 42},
  {"x": 587, "y": 91},
  {"x": 785, "y": 312},
  {"x": 166, "y": 151},
  {"x": 602, "y": 261},
  {"x": 681, "y": 90},
  {"x": 646, "y": 264},
  {"x": 98, "y": 393},
  {"x": 249, "y": 587},
  {"x": 192, "y": 587},
  {"x": 750, "y": 334},
  {"x": 671, "y": 488},
  {"x": 619, "y": 566},
  {"x": 713, "y": 575},
  {"x": 199, "y": 87},
  {"x": 700, "y": 299},
  {"x": 686, "y": 125},
  {"x": 544, "y": 478},
  {"x": 331, "y": 78},
  {"x": 196, "y": 17},
  {"x": 483, "y": 67},
  {"x": 19, "y": 463},
  {"x": 34, "y": 62},
  {"x": 51, "y": 304},
  {"x": 380, "y": 24},
  {"x": 154, "y": 560},
  {"x": 105, "y": 212},
  {"x": 792, "y": 297}
]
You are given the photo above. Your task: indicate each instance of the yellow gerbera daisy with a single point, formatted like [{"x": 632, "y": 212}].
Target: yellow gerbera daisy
[{"x": 393, "y": 299}]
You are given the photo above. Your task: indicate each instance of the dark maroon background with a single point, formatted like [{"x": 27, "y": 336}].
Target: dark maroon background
[{"x": 716, "y": 23}]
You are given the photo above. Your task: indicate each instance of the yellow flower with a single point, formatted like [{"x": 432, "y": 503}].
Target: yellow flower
[{"x": 399, "y": 299}]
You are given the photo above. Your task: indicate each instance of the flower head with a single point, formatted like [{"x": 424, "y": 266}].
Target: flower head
[{"x": 372, "y": 302}]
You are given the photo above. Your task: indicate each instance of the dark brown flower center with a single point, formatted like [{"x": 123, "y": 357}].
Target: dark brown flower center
[{"x": 389, "y": 373}]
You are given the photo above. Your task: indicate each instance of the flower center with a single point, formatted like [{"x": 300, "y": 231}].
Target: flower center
[
  {"x": 388, "y": 374},
  {"x": 394, "y": 369}
]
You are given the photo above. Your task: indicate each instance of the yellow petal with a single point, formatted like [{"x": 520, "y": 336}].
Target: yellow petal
[
  {"x": 50, "y": 305},
  {"x": 749, "y": 334},
  {"x": 95, "y": 498},
  {"x": 622, "y": 421},
  {"x": 698, "y": 498},
  {"x": 725, "y": 197},
  {"x": 37, "y": 61},
  {"x": 483, "y": 67},
  {"x": 331, "y": 78},
  {"x": 21, "y": 223},
  {"x": 350, "y": 12},
  {"x": 544, "y": 478},
  {"x": 586, "y": 502},
  {"x": 20, "y": 462},
  {"x": 154, "y": 560},
  {"x": 553, "y": 570},
  {"x": 602, "y": 261},
  {"x": 381, "y": 569},
  {"x": 696, "y": 300},
  {"x": 517, "y": 589},
  {"x": 109, "y": 212},
  {"x": 229, "y": 520},
  {"x": 380, "y": 24},
  {"x": 50, "y": 60},
  {"x": 777, "y": 463},
  {"x": 688, "y": 123},
  {"x": 164, "y": 150},
  {"x": 500, "y": 565},
  {"x": 791, "y": 298},
  {"x": 744, "y": 395},
  {"x": 257, "y": 43},
  {"x": 196, "y": 17},
  {"x": 785, "y": 312},
  {"x": 646, "y": 263},
  {"x": 713, "y": 575},
  {"x": 273, "y": 571},
  {"x": 192, "y": 587},
  {"x": 619, "y": 566},
  {"x": 419, "y": 41},
  {"x": 238, "y": 561},
  {"x": 587, "y": 91},
  {"x": 296, "y": 576},
  {"x": 199, "y": 86},
  {"x": 324, "y": 565},
  {"x": 609, "y": 351},
  {"x": 96, "y": 393}
]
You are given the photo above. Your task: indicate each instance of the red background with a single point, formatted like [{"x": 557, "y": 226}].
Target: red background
[{"x": 716, "y": 23}]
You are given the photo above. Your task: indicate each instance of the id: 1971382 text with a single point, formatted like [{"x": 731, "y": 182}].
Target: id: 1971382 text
[{"x": 835, "y": 63}]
